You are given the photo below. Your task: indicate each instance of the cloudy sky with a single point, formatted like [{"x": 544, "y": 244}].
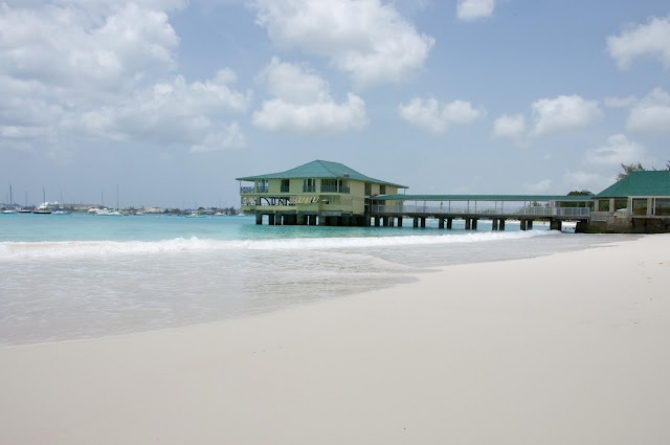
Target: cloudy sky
[{"x": 171, "y": 100}]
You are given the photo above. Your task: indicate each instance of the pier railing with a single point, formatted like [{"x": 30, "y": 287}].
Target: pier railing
[{"x": 538, "y": 211}]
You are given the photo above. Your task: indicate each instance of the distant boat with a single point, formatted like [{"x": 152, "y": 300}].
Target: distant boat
[
  {"x": 103, "y": 212},
  {"x": 11, "y": 210},
  {"x": 43, "y": 208}
]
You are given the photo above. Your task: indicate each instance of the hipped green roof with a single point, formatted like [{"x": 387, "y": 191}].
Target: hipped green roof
[
  {"x": 653, "y": 183},
  {"x": 320, "y": 170}
]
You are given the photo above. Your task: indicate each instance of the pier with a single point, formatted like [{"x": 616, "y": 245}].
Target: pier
[
  {"x": 394, "y": 210},
  {"x": 391, "y": 210},
  {"x": 332, "y": 194}
]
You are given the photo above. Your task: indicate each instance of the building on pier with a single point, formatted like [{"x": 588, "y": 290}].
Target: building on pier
[
  {"x": 329, "y": 193},
  {"x": 319, "y": 192},
  {"x": 638, "y": 203}
]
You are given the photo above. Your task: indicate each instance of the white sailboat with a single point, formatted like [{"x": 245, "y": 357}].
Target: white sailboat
[
  {"x": 11, "y": 210},
  {"x": 43, "y": 209}
]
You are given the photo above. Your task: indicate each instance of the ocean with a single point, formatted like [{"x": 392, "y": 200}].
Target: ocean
[{"x": 71, "y": 277}]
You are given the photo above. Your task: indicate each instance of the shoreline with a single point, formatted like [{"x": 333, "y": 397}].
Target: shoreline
[
  {"x": 565, "y": 348},
  {"x": 432, "y": 259}
]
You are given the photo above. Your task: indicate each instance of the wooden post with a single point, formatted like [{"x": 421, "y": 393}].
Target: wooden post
[
  {"x": 440, "y": 223},
  {"x": 271, "y": 219},
  {"x": 501, "y": 224},
  {"x": 259, "y": 219},
  {"x": 474, "y": 222},
  {"x": 415, "y": 223},
  {"x": 423, "y": 221},
  {"x": 468, "y": 221},
  {"x": 449, "y": 222}
]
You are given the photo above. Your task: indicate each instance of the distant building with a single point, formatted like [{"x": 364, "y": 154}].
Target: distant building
[
  {"x": 319, "y": 192},
  {"x": 638, "y": 203}
]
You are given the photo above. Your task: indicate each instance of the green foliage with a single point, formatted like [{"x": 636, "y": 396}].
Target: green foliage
[
  {"x": 629, "y": 168},
  {"x": 580, "y": 193}
]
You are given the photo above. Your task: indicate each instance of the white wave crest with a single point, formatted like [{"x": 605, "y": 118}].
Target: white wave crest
[{"x": 36, "y": 250}]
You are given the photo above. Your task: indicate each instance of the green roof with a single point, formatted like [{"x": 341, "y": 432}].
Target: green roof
[
  {"x": 543, "y": 198},
  {"x": 320, "y": 170},
  {"x": 646, "y": 183}
]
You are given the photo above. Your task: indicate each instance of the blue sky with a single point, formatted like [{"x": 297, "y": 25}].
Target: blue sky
[{"x": 172, "y": 100}]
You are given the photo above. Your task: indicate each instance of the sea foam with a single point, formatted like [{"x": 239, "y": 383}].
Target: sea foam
[{"x": 10, "y": 251}]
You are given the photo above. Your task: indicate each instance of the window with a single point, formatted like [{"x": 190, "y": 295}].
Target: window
[
  {"x": 309, "y": 185},
  {"x": 334, "y": 186},
  {"x": 262, "y": 186},
  {"x": 328, "y": 185},
  {"x": 285, "y": 185},
  {"x": 639, "y": 206},
  {"x": 662, "y": 207},
  {"x": 368, "y": 189},
  {"x": 382, "y": 189}
]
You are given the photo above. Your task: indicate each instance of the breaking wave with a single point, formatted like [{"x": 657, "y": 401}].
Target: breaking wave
[{"x": 63, "y": 249}]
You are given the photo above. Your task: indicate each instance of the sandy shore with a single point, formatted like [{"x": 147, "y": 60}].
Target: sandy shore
[{"x": 572, "y": 348}]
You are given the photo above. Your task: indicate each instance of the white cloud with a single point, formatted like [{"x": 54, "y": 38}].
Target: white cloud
[
  {"x": 538, "y": 187},
  {"x": 436, "y": 116},
  {"x": 172, "y": 113},
  {"x": 651, "y": 114},
  {"x": 620, "y": 102},
  {"x": 562, "y": 114},
  {"x": 650, "y": 39},
  {"x": 619, "y": 150},
  {"x": 74, "y": 71},
  {"x": 474, "y": 9},
  {"x": 507, "y": 126},
  {"x": 294, "y": 83},
  {"x": 93, "y": 49},
  {"x": 303, "y": 103},
  {"x": 230, "y": 136},
  {"x": 369, "y": 40},
  {"x": 581, "y": 180}
]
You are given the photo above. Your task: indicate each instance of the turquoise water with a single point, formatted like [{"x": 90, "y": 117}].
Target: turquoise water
[{"x": 65, "y": 277}]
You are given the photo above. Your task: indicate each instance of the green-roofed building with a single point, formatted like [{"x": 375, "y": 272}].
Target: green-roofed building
[
  {"x": 323, "y": 192},
  {"x": 640, "y": 202},
  {"x": 330, "y": 193}
]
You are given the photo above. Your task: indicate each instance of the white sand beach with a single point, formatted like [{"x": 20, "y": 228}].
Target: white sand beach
[{"x": 572, "y": 348}]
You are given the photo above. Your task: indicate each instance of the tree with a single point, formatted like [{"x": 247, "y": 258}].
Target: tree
[
  {"x": 577, "y": 193},
  {"x": 629, "y": 168},
  {"x": 580, "y": 193}
]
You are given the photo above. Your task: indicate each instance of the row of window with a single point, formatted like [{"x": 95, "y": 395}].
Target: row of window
[{"x": 309, "y": 186}]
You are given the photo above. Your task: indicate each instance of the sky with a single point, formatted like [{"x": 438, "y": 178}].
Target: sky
[{"x": 168, "y": 101}]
